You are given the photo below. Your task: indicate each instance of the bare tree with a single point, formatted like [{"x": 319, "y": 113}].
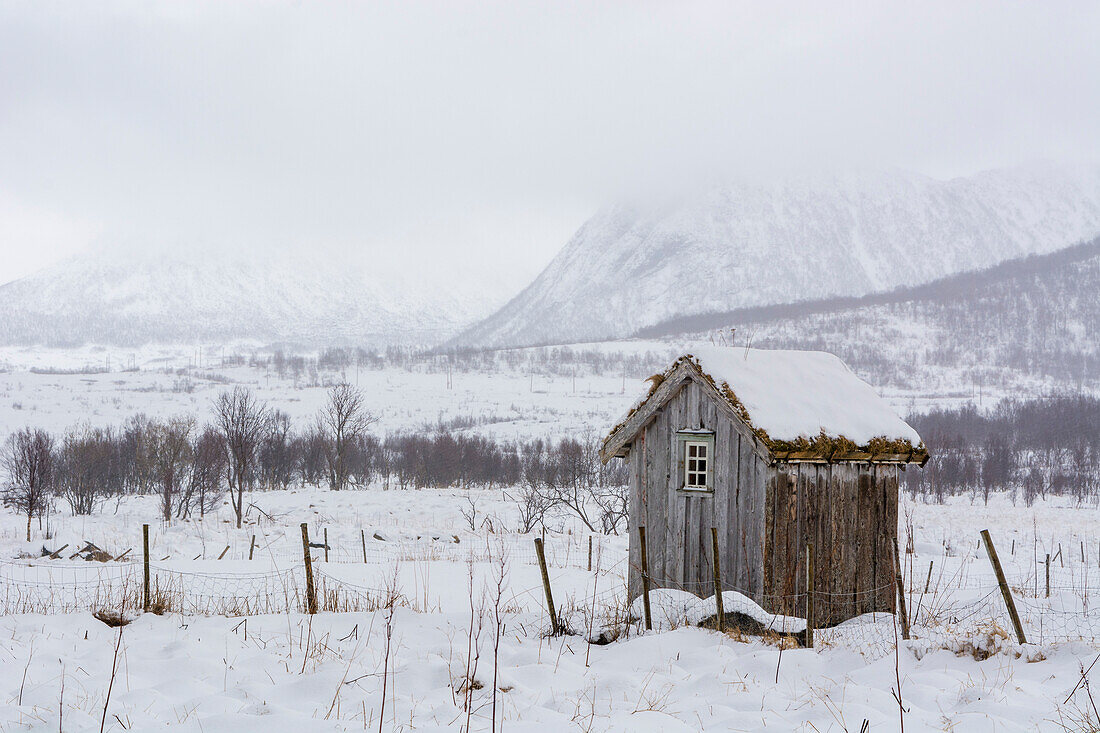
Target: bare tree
[
  {"x": 88, "y": 468},
  {"x": 243, "y": 422},
  {"x": 29, "y": 460},
  {"x": 135, "y": 451},
  {"x": 573, "y": 478},
  {"x": 613, "y": 499},
  {"x": 343, "y": 422},
  {"x": 208, "y": 466},
  {"x": 171, "y": 451},
  {"x": 278, "y": 453},
  {"x": 533, "y": 495}
]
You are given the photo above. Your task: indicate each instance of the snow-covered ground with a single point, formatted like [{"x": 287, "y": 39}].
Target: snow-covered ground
[
  {"x": 280, "y": 671},
  {"x": 57, "y": 389},
  {"x": 405, "y": 564},
  {"x": 170, "y": 381}
]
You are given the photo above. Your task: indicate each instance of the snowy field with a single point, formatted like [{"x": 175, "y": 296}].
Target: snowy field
[
  {"x": 56, "y": 389},
  {"x": 441, "y": 621},
  {"x": 281, "y": 671}
]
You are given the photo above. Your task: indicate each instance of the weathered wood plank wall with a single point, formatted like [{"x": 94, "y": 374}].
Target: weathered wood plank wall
[
  {"x": 678, "y": 522},
  {"x": 848, "y": 512}
]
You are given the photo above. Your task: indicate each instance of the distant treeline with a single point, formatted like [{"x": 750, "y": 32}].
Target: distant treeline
[
  {"x": 250, "y": 446},
  {"x": 337, "y": 363},
  {"x": 1032, "y": 449}
]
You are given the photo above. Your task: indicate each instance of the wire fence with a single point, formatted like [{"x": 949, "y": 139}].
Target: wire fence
[{"x": 960, "y": 608}]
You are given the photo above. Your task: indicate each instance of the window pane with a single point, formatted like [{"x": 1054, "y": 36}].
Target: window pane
[
  {"x": 692, "y": 448},
  {"x": 703, "y": 450}
]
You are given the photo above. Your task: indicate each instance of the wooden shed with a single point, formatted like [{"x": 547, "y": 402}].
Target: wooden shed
[{"x": 777, "y": 450}]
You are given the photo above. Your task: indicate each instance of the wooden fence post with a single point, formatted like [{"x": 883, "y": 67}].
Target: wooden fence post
[
  {"x": 223, "y": 552},
  {"x": 554, "y": 629},
  {"x": 145, "y": 601},
  {"x": 720, "y": 608},
  {"x": 810, "y": 596},
  {"x": 927, "y": 584},
  {"x": 590, "y": 553},
  {"x": 902, "y": 613},
  {"x": 363, "y": 541},
  {"x": 992, "y": 552},
  {"x": 311, "y": 594},
  {"x": 645, "y": 580},
  {"x": 251, "y": 547},
  {"x": 326, "y": 544},
  {"x": 1048, "y": 575}
]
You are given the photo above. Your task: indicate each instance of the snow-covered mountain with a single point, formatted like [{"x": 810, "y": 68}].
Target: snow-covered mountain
[
  {"x": 129, "y": 297},
  {"x": 1026, "y": 327},
  {"x": 740, "y": 245}
]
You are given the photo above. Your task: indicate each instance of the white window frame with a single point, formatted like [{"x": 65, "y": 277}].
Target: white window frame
[{"x": 696, "y": 443}]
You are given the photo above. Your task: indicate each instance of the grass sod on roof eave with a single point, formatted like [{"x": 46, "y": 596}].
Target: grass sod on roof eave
[{"x": 823, "y": 445}]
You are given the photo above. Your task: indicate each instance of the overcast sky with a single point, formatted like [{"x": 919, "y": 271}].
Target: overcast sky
[{"x": 488, "y": 132}]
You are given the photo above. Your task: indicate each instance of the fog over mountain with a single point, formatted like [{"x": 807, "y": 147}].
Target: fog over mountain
[
  {"x": 750, "y": 244},
  {"x": 129, "y": 297}
]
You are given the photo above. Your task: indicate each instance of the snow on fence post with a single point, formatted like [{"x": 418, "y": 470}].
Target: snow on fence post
[
  {"x": 902, "y": 613},
  {"x": 311, "y": 595},
  {"x": 719, "y": 609},
  {"x": 645, "y": 580},
  {"x": 145, "y": 600},
  {"x": 554, "y": 629},
  {"x": 992, "y": 552}
]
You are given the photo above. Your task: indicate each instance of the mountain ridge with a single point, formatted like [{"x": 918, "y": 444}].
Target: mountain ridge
[
  {"x": 952, "y": 286},
  {"x": 743, "y": 245}
]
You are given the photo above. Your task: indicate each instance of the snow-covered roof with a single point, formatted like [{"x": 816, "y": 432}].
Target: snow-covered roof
[
  {"x": 790, "y": 399},
  {"x": 801, "y": 394}
]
